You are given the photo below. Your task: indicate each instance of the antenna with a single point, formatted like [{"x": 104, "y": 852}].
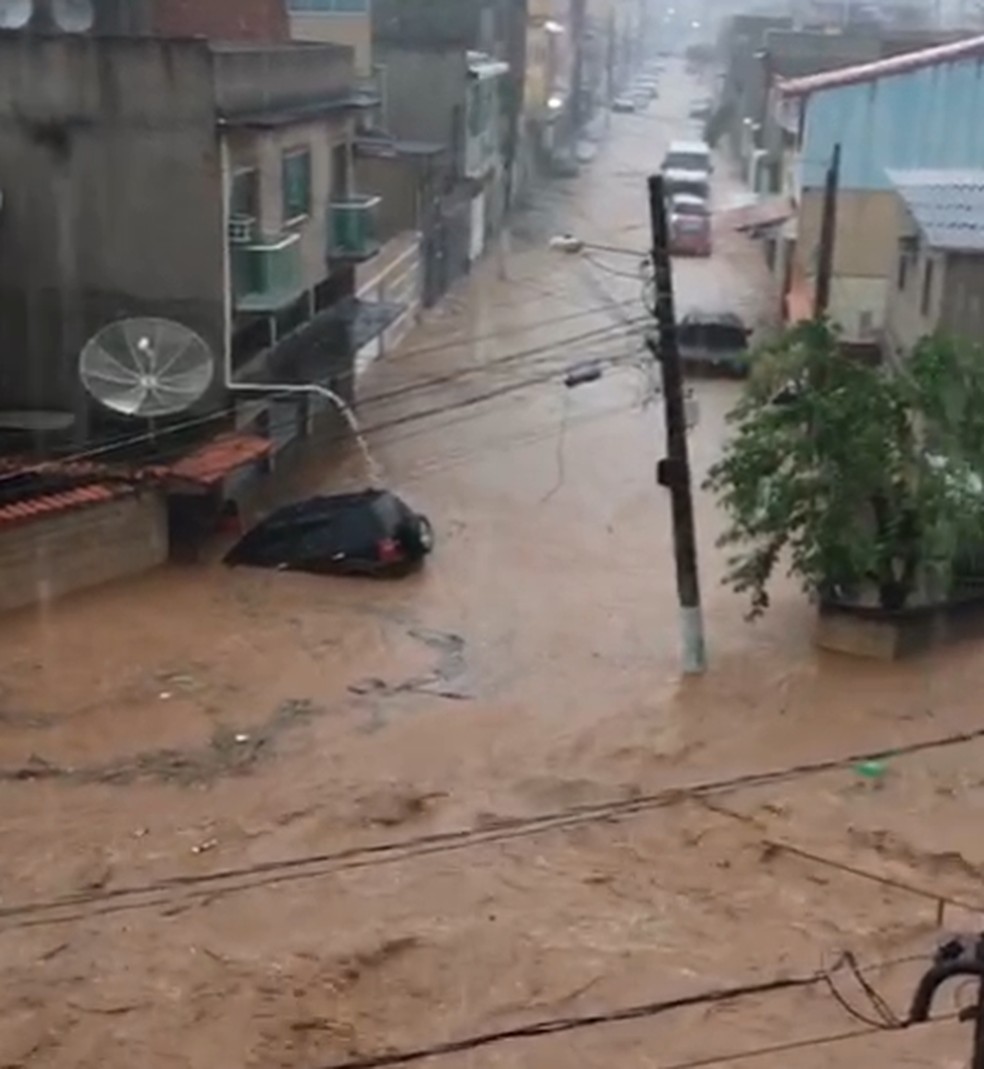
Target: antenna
[
  {"x": 15, "y": 14},
  {"x": 73, "y": 16},
  {"x": 146, "y": 367}
]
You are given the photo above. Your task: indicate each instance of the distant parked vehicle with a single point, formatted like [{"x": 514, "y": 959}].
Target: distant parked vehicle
[
  {"x": 688, "y": 183},
  {"x": 716, "y": 342},
  {"x": 649, "y": 86},
  {"x": 564, "y": 164},
  {"x": 688, "y": 204},
  {"x": 690, "y": 235},
  {"x": 623, "y": 104},
  {"x": 700, "y": 110},
  {"x": 688, "y": 156}
]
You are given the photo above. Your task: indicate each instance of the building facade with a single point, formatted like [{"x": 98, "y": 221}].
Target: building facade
[
  {"x": 938, "y": 283},
  {"x": 206, "y": 184},
  {"x": 916, "y": 110}
]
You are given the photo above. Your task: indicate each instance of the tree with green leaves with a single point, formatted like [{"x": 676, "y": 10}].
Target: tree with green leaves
[{"x": 865, "y": 480}]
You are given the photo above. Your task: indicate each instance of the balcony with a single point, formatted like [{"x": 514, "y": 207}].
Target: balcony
[
  {"x": 266, "y": 272},
  {"x": 352, "y": 231}
]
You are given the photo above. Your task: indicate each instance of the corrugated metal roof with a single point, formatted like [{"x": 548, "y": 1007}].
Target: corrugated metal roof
[
  {"x": 883, "y": 68},
  {"x": 948, "y": 206}
]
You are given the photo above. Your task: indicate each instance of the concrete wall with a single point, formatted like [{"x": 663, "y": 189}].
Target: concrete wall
[
  {"x": 962, "y": 304},
  {"x": 398, "y": 181},
  {"x": 252, "y": 20},
  {"x": 110, "y": 171},
  {"x": 865, "y": 247},
  {"x": 258, "y": 79},
  {"x": 437, "y": 76},
  {"x": 353, "y": 30},
  {"x": 462, "y": 23},
  {"x": 82, "y": 548}
]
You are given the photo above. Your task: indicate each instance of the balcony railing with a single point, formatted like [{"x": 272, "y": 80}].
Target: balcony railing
[
  {"x": 352, "y": 233},
  {"x": 266, "y": 273}
]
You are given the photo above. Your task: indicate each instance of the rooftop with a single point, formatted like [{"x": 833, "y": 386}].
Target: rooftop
[
  {"x": 968, "y": 48},
  {"x": 948, "y": 206}
]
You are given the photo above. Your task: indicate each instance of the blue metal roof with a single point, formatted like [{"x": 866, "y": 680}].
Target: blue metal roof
[{"x": 929, "y": 116}]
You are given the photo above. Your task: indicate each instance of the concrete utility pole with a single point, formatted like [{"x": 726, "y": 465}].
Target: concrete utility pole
[
  {"x": 578, "y": 12},
  {"x": 673, "y": 472},
  {"x": 828, "y": 233}
]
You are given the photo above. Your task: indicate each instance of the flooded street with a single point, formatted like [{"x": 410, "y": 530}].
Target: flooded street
[{"x": 270, "y": 819}]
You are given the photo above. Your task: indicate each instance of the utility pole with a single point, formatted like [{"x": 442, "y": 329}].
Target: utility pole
[
  {"x": 673, "y": 472},
  {"x": 578, "y": 11},
  {"x": 610, "y": 66},
  {"x": 828, "y": 232}
]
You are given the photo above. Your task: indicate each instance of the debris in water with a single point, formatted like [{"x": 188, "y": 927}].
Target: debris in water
[
  {"x": 873, "y": 771},
  {"x": 579, "y": 374}
]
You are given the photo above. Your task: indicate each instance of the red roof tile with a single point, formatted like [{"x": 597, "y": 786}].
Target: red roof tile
[
  {"x": 45, "y": 505},
  {"x": 882, "y": 68},
  {"x": 212, "y": 462}
]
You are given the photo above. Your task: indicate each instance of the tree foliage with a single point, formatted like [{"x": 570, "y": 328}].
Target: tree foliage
[{"x": 863, "y": 478}]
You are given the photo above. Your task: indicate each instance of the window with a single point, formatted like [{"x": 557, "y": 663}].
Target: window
[
  {"x": 903, "y": 270},
  {"x": 340, "y": 172},
  {"x": 296, "y": 184},
  {"x": 927, "y": 288},
  {"x": 245, "y": 196}
]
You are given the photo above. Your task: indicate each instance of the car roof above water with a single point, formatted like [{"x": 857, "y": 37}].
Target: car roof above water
[{"x": 689, "y": 148}]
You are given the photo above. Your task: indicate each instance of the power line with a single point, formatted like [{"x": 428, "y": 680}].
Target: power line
[
  {"x": 187, "y": 888},
  {"x": 597, "y": 334},
  {"x": 936, "y": 897},
  {"x": 560, "y": 1025},
  {"x": 790, "y": 1045}
]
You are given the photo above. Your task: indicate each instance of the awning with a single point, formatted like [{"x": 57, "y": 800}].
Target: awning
[
  {"x": 769, "y": 212},
  {"x": 212, "y": 462}
]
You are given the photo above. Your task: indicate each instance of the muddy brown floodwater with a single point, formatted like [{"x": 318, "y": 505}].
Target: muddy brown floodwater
[{"x": 279, "y": 820}]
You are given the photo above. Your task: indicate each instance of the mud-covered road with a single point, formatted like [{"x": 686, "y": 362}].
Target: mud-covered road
[{"x": 278, "y": 820}]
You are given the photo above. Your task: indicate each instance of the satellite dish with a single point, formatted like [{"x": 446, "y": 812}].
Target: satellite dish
[
  {"x": 73, "y": 16},
  {"x": 15, "y": 14},
  {"x": 146, "y": 367}
]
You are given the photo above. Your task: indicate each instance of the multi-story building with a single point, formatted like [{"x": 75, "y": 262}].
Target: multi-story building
[
  {"x": 433, "y": 52},
  {"x": 208, "y": 184},
  {"x": 342, "y": 22}
]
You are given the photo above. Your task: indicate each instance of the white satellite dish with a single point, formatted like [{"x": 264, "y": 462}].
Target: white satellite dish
[
  {"x": 73, "y": 16},
  {"x": 146, "y": 367},
  {"x": 15, "y": 14}
]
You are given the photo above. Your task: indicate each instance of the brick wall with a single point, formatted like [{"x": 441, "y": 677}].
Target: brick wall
[
  {"x": 223, "y": 20},
  {"x": 80, "y": 549}
]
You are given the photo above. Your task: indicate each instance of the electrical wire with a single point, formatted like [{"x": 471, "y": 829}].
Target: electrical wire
[
  {"x": 187, "y": 888},
  {"x": 560, "y": 1025},
  {"x": 885, "y": 1019},
  {"x": 608, "y": 269},
  {"x": 786, "y": 1047},
  {"x": 126, "y": 441}
]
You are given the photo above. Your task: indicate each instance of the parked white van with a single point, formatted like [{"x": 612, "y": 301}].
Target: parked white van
[{"x": 688, "y": 156}]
